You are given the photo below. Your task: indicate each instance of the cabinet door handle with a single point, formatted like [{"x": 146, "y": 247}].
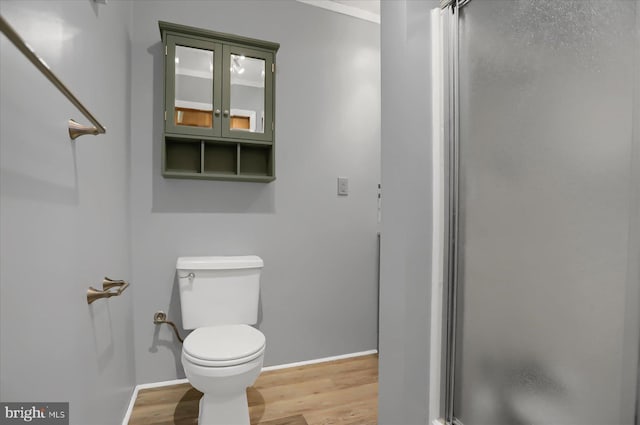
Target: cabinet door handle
[
  {"x": 216, "y": 112},
  {"x": 225, "y": 113}
]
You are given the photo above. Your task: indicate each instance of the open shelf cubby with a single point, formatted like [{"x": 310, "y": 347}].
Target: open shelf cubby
[
  {"x": 256, "y": 160},
  {"x": 193, "y": 157},
  {"x": 183, "y": 156},
  {"x": 220, "y": 158}
]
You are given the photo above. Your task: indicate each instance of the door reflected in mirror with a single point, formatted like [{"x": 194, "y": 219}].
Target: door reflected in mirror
[
  {"x": 247, "y": 94},
  {"x": 194, "y": 87}
]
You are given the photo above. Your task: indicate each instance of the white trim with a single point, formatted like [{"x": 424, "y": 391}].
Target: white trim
[
  {"x": 132, "y": 401},
  {"x": 134, "y": 395},
  {"x": 344, "y": 9},
  {"x": 322, "y": 360},
  {"x": 438, "y": 422},
  {"x": 437, "y": 266},
  {"x": 162, "y": 384},
  {"x": 201, "y": 106}
]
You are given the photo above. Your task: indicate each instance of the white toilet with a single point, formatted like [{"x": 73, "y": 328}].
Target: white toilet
[{"x": 223, "y": 355}]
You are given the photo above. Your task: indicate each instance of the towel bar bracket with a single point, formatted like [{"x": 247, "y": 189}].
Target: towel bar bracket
[{"x": 76, "y": 130}]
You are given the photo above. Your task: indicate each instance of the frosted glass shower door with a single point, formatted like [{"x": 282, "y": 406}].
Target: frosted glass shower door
[{"x": 547, "y": 257}]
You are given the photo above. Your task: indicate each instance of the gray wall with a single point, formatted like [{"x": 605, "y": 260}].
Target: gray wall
[
  {"x": 319, "y": 284},
  {"x": 64, "y": 211},
  {"x": 405, "y": 291}
]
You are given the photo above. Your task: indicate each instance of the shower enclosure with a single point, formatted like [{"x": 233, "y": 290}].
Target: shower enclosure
[{"x": 543, "y": 214}]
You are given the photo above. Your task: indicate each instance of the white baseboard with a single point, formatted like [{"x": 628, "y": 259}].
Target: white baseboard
[
  {"x": 322, "y": 360},
  {"x": 134, "y": 395}
]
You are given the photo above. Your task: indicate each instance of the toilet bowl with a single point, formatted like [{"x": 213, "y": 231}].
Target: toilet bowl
[
  {"x": 221, "y": 362},
  {"x": 224, "y": 354}
]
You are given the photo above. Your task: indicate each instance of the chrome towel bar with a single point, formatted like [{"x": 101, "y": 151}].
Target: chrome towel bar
[
  {"x": 75, "y": 129},
  {"x": 107, "y": 284}
]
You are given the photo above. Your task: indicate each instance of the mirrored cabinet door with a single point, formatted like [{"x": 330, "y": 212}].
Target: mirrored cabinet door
[
  {"x": 193, "y": 86},
  {"x": 247, "y": 94}
]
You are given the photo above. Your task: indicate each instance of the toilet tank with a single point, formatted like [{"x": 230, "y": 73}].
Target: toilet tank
[{"x": 219, "y": 290}]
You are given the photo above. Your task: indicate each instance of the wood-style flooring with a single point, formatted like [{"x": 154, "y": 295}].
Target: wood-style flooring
[{"x": 342, "y": 392}]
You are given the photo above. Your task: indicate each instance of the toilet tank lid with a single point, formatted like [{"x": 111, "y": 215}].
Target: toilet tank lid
[{"x": 219, "y": 262}]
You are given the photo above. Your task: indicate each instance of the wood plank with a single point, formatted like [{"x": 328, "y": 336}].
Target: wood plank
[
  {"x": 176, "y": 404},
  {"x": 264, "y": 395},
  {"x": 359, "y": 413},
  {"x": 319, "y": 370},
  {"x": 291, "y": 420},
  {"x": 317, "y": 402}
]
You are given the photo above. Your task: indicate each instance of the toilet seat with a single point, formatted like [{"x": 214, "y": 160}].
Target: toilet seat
[{"x": 224, "y": 345}]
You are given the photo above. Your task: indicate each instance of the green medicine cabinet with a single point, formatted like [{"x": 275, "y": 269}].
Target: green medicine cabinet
[{"x": 219, "y": 97}]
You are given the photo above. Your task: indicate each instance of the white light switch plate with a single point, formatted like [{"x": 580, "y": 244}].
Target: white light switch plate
[{"x": 343, "y": 186}]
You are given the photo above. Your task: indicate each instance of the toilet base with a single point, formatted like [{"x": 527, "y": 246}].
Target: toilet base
[
  {"x": 225, "y": 390},
  {"x": 224, "y": 411}
]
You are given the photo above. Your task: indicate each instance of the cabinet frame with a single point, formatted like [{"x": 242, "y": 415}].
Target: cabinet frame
[{"x": 220, "y": 148}]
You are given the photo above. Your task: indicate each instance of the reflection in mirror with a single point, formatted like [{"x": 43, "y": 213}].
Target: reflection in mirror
[
  {"x": 194, "y": 87},
  {"x": 247, "y": 94}
]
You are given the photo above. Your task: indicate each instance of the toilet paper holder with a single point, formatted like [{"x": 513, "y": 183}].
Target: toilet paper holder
[{"x": 106, "y": 292}]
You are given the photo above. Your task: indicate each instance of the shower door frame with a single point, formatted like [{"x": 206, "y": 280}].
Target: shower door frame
[
  {"x": 450, "y": 143},
  {"x": 450, "y": 12}
]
